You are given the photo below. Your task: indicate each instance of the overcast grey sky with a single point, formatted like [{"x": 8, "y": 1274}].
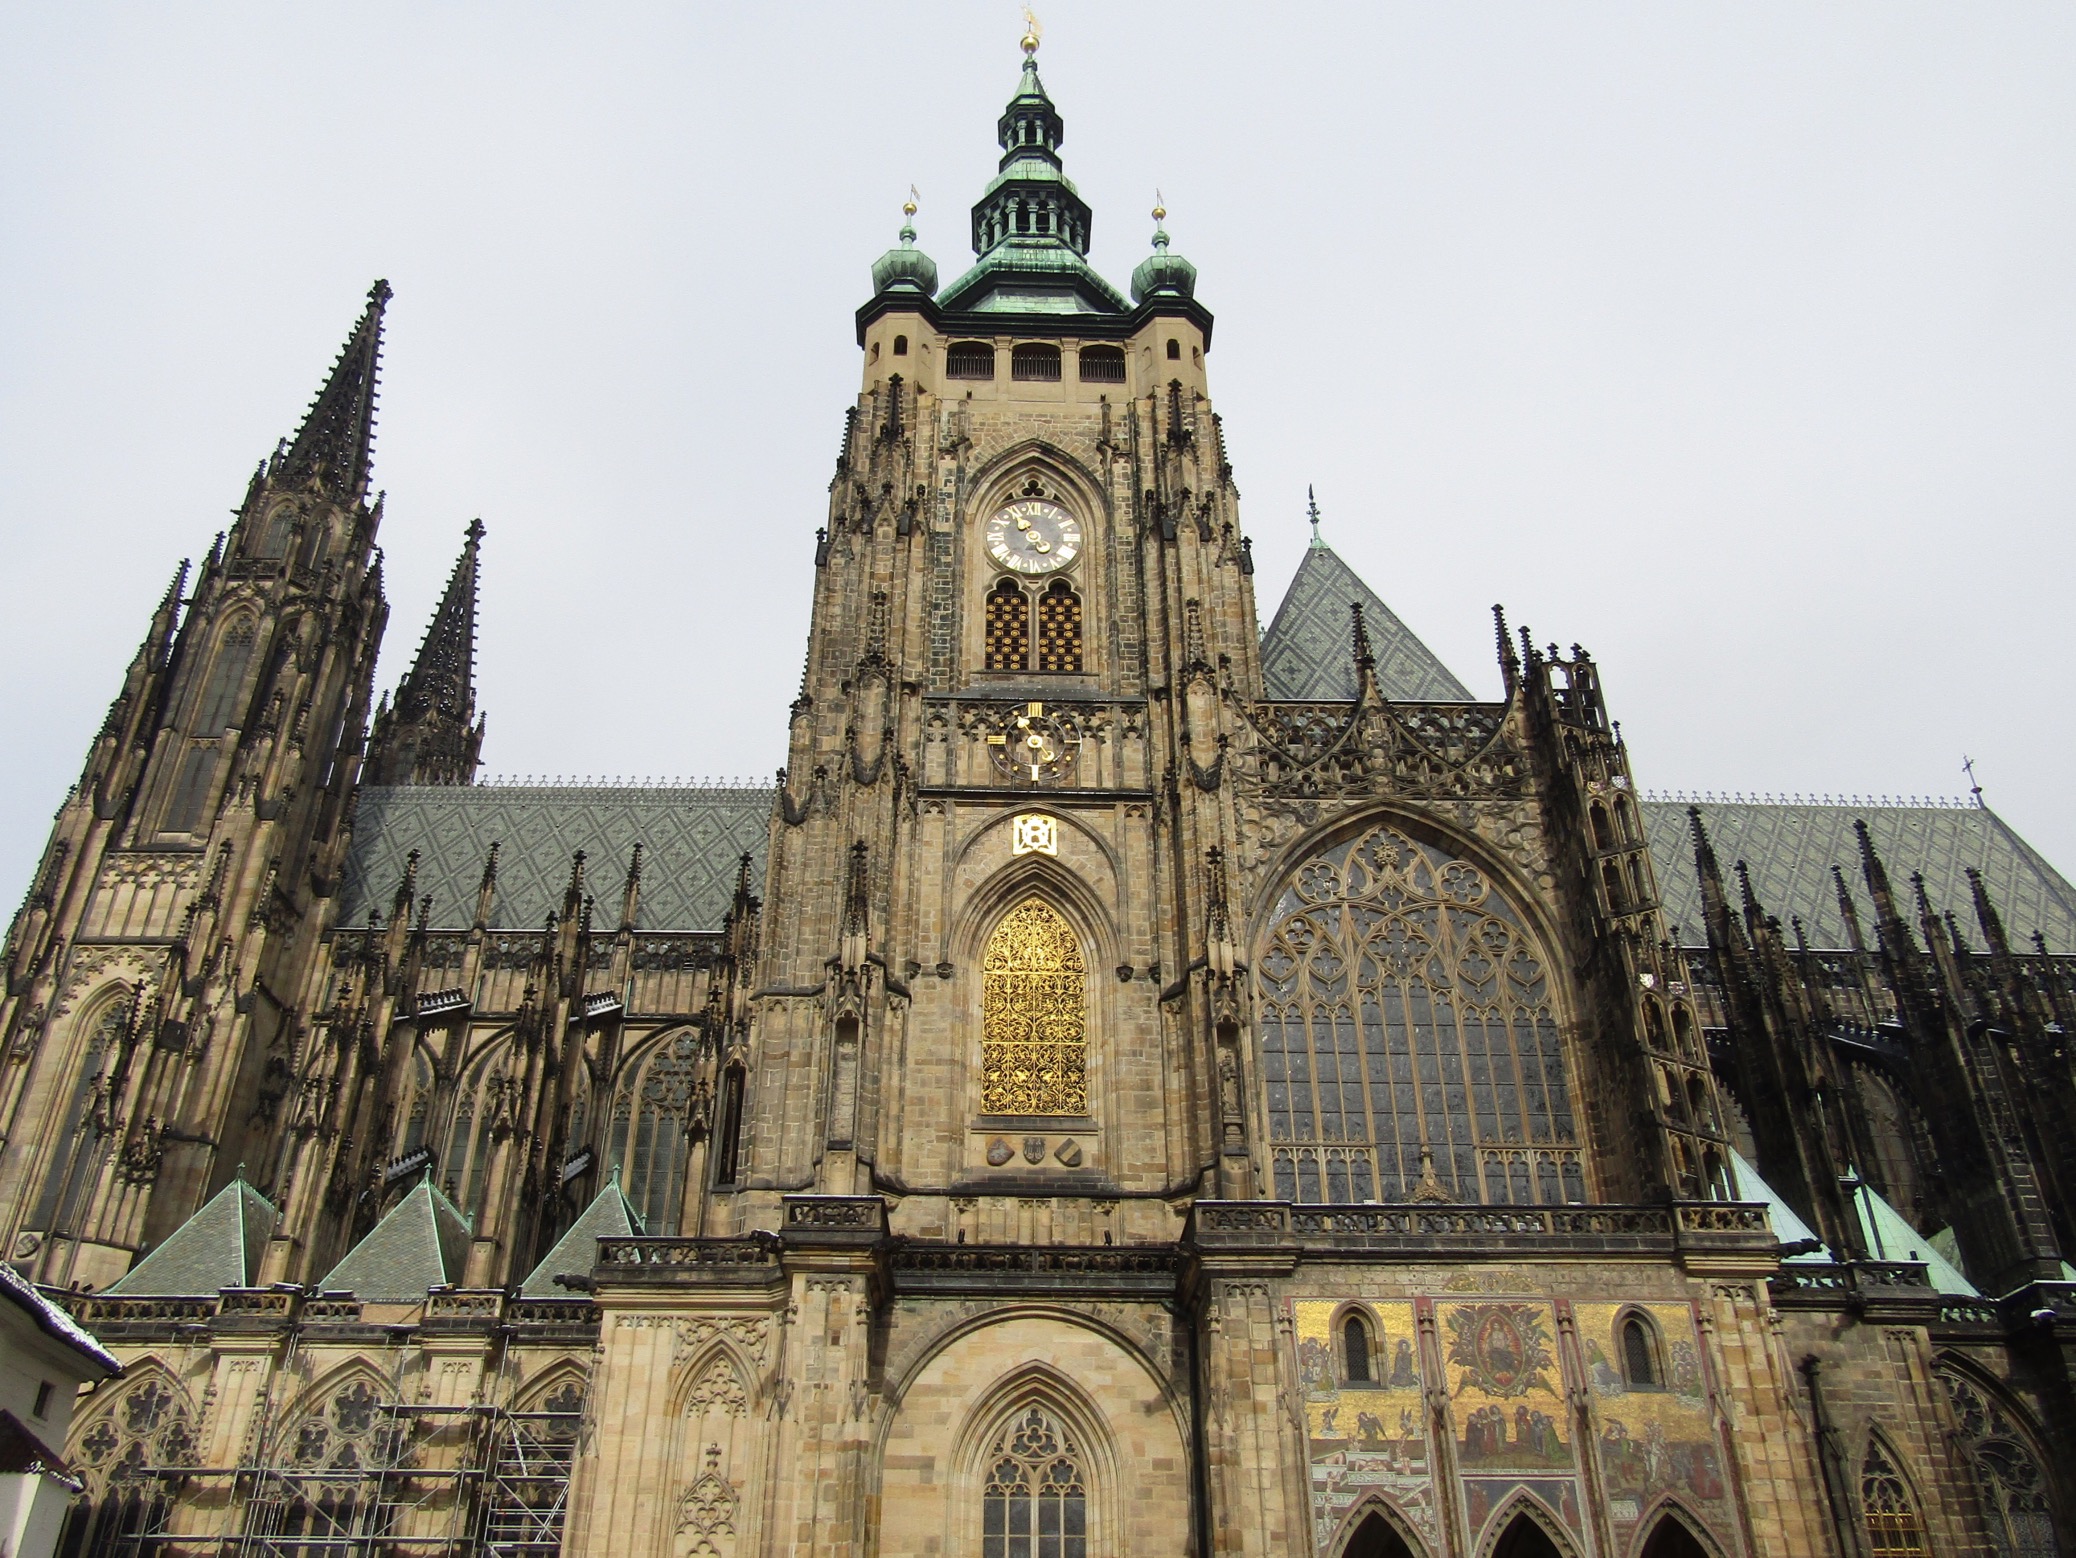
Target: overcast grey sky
[{"x": 1735, "y": 342}]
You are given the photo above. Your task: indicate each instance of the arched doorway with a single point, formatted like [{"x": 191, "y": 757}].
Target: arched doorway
[
  {"x": 1672, "y": 1539},
  {"x": 1376, "y": 1537},
  {"x": 1525, "y": 1538}
]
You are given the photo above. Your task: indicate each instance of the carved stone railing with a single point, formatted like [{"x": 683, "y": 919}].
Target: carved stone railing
[
  {"x": 463, "y": 1309},
  {"x": 258, "y": 1301},
  {"x": 111, "y": 1315},
  {"x": 552, "y": 1314},
  {"x": 1315, "y": 749},
  {"x": 1854, "y": 1284},
  {"x": 333, "y": 1309},
  {"x": 1739, "y": 1217},
  {"x": 835, "y": 1219},
  {"x": 1455, "y": 1230},
  {"x": 1960, "y": 1312},
  {"x": 1129, "y": 1270},
  {"x": 639, "y": 1260}
]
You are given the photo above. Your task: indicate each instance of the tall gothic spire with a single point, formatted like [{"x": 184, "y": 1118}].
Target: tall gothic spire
[
  {"x": 337, "y": 438},
  {"x": 431, "y": 734}
]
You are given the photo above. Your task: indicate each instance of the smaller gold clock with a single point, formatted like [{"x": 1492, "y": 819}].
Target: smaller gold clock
[{"x": 1033, "y": 536}]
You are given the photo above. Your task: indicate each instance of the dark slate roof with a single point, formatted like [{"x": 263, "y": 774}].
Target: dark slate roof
[
  {"x": 219, "y": 1247},
  {"x": 692, "y": 838},
  {"x": 1308, "y": 653},
  {"x": 1790, "y": 849},
  {"x": 609, "y": 1216},
  {"x": 422, "y": 1243},
  {"x": 53, "y": 1321}
]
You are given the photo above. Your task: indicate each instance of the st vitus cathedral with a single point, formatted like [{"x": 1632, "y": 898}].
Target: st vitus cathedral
[{"x": 1136, "y": 1085}]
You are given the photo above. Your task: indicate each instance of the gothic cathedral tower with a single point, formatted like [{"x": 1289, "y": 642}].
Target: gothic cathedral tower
[
  {"x": 187, "y": 864},
  {"x": 998, "y": 846}
]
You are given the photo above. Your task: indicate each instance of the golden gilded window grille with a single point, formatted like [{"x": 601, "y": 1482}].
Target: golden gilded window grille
[
  {"x": 1059, "y": 628},
  {"x": 1007, "y": 628},
  {"x": 1033, "y": 1015},
  {"x": 1893, "y": 1528}
]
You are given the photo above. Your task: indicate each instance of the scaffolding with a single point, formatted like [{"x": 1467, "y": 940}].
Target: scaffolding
[{"x": 366, "y": 1478}]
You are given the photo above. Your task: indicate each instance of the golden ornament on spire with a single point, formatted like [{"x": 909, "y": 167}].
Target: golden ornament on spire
[
  {"x": 1160, "y": 207},
  {"x": 1032, "y": 31},
  {"x": 908, "y": 206}
]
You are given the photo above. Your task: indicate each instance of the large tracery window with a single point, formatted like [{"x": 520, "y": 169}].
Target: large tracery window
[
  {"x": 1034, "y": 1015},
  {"x": 2008, "y": 1477},
  {"x": 660, "y": 1104},
  {"x": 1036, "y": 1505},
  {"x": 1406, "y": 1011}
]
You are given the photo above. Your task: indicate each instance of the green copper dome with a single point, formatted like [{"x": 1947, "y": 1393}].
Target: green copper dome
[
  {"x": 1161, "y": 271},
  {"x": 906, "y": 268}
]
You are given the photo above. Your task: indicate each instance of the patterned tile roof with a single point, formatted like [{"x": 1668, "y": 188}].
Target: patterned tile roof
[
  {"x": 609, "y": 1216},
  {"x": 1790, "y": 849},
  {"x": 691, "y": 836},
  {"x": 1307, "y": 652},
  {"x": 219, "y": 1247},
  {"x": 422, "y": 1242}
]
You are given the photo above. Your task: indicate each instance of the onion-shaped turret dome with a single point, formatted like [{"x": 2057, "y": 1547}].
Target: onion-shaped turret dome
[
  {"x": 1163, "y": 271},
  {"x": 907, "y": 267}
]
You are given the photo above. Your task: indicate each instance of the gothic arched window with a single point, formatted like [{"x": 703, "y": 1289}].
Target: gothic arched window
[
  {"x": 218, "y": 709},
  {"x": 1007, "y": 628},
  {"x": 1893, "y": 1527},
  {"x": 1640, "y": 1355},
  {"x": 1355, "y": 1350},
  {"x": 83, "y": 1127},
  {"x": 1033, "y": 1015},
  {"x": 1036, "y": 1504},
  {"x": 2008, "y": 1477},
  {"x": 1407, "y": 1027},
  {"x": 659, "y": 1106},
  {"x": 1059, "y": 628}
]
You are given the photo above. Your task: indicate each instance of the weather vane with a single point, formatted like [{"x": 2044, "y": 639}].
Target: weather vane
[
  {"x": 908, "y": 206},
  {"x": 1032, "y": 31},
  {"x": 1160, "y": 206}
]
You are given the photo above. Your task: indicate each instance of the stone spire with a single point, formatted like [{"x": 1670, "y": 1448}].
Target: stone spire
[
  {"x": 431, "y": 734},
  {"x": 337, "y": 438}
]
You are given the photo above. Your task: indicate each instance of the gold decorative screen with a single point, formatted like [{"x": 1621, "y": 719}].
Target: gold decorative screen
[
  {"x": 1033, "y": 1016},
  {"x": 1059, "y": 628},
  {"x": 1008, "y": 629}
]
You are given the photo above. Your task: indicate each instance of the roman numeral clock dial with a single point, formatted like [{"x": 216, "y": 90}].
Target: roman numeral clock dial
[{"x": 1033, "y": 536}]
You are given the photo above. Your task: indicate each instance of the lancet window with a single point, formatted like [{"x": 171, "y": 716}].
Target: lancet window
[
  {"x": 1409, "y": 1041},
  {"x": 1034, "y": 1015},
  {"x": 1893, "y": 1527},
  {"x": 219, "y": 707},
  {"x": 1036, "y": 1503},
  {"x": 660, "y": 1106}
]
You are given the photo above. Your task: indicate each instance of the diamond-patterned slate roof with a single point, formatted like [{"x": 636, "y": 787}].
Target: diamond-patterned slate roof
[
  {"x": 692, "y": 838},
  {"x": 1308, "y": 653},
  {"x": 1790, "y": 849},
  {"x": 609, "y": 1216},
  {"x": 421, "y": 1243},
  {"x": 218, "y": 1247}
]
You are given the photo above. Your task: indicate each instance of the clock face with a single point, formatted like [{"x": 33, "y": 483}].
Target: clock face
[{"x": 1033, "y": 536}]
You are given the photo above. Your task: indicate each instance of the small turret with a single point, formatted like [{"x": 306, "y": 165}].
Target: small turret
[
  {"x": 905, "y": 268},
  {"x": 1162, "y": 271}
]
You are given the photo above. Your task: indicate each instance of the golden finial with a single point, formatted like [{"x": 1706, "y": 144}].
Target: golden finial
[
  {"x": 1032, "y": 31},
  {"x": 1160, "y": 207},
  {"x": 908, "y": 206}
]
